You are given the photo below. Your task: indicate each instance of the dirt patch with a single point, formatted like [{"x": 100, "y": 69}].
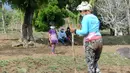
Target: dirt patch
[
  {"x": 115, "y": 69},
  {"x": 113, "y": 48},
  {"x": 8, "y": 52}
]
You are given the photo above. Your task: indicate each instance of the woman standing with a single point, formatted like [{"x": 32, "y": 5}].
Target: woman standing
[{"x": 92, "y": 36}]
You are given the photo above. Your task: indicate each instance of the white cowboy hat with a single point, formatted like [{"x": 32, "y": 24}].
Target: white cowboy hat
[
  {"x": 84, "y": 6},
  {"x": 52, "y": 27}
]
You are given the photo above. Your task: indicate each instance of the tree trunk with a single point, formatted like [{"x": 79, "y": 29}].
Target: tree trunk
[
  {"x": 27, "y": 32},
  {"x": 3, "y": 20},
  {"x": 111, "y": 32},
  {"x": 116, "y": 32},
  {"x": 128, "y": 16}
]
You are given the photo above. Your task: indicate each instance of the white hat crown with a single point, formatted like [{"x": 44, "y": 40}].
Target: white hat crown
[
  {"x": 52, "y": 27},
  {"x": 84, "y": 6}
]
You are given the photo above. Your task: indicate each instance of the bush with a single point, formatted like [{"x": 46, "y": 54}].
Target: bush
[
  {"x": 109, "y": 40},
  {"x": 51, "y": 13},
  {"x": 116, "y": 40}
]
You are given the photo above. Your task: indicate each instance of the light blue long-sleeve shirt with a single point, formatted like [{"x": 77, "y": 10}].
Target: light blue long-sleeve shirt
[
  {"x": 61, "y": 35},
  {"x": 90, "y": 23}
]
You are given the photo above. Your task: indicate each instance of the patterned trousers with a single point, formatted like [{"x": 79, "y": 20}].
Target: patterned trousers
[{"x": 93, "y": 50}]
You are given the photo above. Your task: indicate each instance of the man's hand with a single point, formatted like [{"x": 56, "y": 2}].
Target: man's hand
[
  {"x": 72, "y": 30},
  {"x": 79, "y": 26}
]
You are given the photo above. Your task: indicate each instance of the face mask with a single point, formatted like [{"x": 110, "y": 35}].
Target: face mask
[{"x": 62, "y": 31}]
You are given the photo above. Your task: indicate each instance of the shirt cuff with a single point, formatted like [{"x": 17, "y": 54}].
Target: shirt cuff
[{"x": 75, "y": 31}]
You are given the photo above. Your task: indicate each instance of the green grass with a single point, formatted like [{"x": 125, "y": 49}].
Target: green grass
[
  {"x": 3, "y": 63},
  {"x": 59, "y": 64},
  {"x": 113, "y": 59}
]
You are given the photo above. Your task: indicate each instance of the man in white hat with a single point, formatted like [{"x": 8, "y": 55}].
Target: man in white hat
[{"x": 92, "y": 36}]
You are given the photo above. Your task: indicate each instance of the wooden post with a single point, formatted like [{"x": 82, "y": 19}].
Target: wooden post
[
  {"x": 74, "y": 53},
  {"x": 73, "y": 50}
]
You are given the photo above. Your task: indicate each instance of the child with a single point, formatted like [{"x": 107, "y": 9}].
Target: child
[{"x": 53, "y": 39}]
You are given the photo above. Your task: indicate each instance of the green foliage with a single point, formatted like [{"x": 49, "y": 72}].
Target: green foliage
[
  {"x": 109, "y": 40},
  {"x": 52, "y": 13},
  {"x": 7, "y": 17},
  {"x": 3, "y": 63},
  {"x": 13, "y": 18},
  {"x": 55, "y": 11},
  {"x": 116, "y": 40},
  {"x": 23, "y": 4},
  {"x": 22, "y": 70},
  {"x": 71, "y": 14},
  {"x": 92, "y": 2}
]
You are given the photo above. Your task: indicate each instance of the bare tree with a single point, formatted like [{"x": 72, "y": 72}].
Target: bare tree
[{"x": 114, "y": 14}]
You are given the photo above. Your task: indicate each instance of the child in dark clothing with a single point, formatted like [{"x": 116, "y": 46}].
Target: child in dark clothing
[{"x": 68, "y": 34}]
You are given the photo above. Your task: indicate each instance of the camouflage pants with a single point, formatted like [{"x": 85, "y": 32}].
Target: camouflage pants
[{"x": 93, "y": 50}]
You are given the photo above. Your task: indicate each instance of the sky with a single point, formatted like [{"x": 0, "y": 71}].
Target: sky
[{"x": 7, "y": 6}]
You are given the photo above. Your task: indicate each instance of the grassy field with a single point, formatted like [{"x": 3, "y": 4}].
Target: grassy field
[
  {"x": 60, "y": 64},
  {"x": 38, "y": 60}
]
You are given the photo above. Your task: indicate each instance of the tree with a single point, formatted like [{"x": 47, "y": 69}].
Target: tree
[
  {"x": 55, "y": 11},
  {"x": 3, "y": 19},
  {"x": 28, "y": 7},
  {"x": 113, "y": 13},
  {"x": 50, "y": 15},
  {"x": 14, "y": 18}
]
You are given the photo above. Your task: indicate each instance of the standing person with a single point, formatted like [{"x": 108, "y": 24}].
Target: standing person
[
  {"x": 92, "y": 36},
  {"x": 53, "y": 38}
]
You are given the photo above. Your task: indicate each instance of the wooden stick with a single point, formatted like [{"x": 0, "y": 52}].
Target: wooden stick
[
  {"x": 73, "y": 50},
  {"x": 74, "y": 53}
]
